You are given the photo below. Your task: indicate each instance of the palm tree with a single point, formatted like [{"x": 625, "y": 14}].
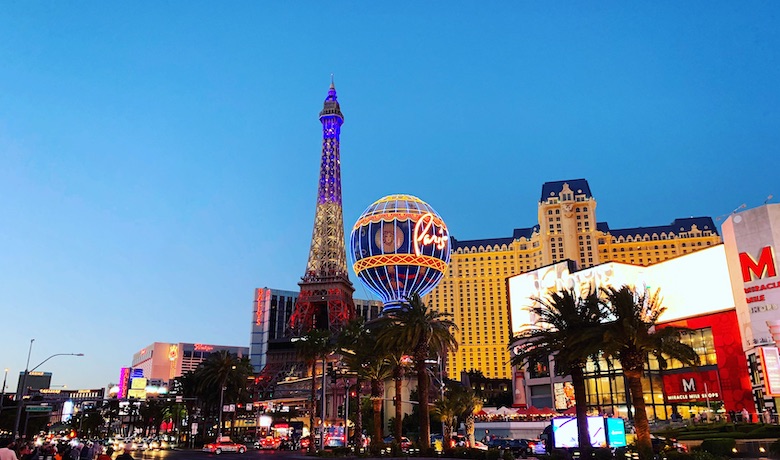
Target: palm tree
[
  {"x": 631, "y": 337},
  {"x": 424, "y": 332},
  {"x": 364, "y": 357},
  {"x": 314, "y": 346},
  {"x": 447, "y": 410},
  {"x": 223, "y": 374},
  {"x": 398, "y": 362},
  {"x": 470, "y": 404},
  {"x": 568, "y": 326}
]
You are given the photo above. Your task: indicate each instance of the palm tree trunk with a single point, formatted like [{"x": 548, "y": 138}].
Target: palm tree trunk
[
  {"x": 313, "y": 407},
  {"x": 397, "y": 426},
  {"x": 469, "y": 425},
  {"x": 358, "y": 415},
  {"x": 423, "y": 386},
  {"x": 376, "y": 405},
  {"x": 580, "y": 398},
  {"x": 641, "y": 425}
]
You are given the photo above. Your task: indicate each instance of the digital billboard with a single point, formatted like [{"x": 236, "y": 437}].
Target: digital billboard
[
  {"x": 565, "y": 432},
  {"x": 751, "y": 238},
  {"x": 690, "y": 285},
  {"x": 616, "y": 432}
]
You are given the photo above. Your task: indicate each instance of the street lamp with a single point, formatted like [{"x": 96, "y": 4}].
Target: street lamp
[
  {"x": 20, "y": 392},
  {"x": 221, "y": 404}
]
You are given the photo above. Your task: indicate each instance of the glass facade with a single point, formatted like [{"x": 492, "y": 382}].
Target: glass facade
[{"x": 607, "y": 388}]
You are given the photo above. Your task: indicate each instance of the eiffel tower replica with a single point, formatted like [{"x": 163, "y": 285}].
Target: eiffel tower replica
[{"x": 325, "y": 301}]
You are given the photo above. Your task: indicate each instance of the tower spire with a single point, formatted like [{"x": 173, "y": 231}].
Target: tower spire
[{"x": 325, "y": 301}]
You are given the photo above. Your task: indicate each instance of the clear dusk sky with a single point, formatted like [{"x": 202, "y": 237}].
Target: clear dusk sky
[{"x": 159, "y": 160}]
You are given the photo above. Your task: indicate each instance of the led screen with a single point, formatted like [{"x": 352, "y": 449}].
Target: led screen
[
  {"x": 616, "y": 432},
  {"x": 690, "y": 285},
  {"x": 565, "y": 432}
]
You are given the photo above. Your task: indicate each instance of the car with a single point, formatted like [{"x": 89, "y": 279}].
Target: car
[
  {"x": 520, "y": 448},
  {"x": 305, "y": 441},
  {"x": 268, "y": 442},
  {"x": 405, "y": 442},
  {"x": 479, "y": 445},
  {"x": 224, "y": 445},
  {"x": 666, "y": 445}
]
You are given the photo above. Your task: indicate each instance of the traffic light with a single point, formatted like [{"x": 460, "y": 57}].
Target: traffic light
[{"x": 341, "y": 411}]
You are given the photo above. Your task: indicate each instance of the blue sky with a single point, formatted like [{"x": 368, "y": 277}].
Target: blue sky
[{"x": 159, "y": 161}]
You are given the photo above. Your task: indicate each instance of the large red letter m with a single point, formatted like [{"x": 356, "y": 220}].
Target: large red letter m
[{"x": 764, "y": 267}]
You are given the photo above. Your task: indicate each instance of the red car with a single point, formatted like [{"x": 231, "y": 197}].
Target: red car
[{"x": 224, "y": 446}]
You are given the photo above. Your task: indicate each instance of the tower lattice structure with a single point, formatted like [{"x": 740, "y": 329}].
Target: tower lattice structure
[{"x": 325, "y": 301}]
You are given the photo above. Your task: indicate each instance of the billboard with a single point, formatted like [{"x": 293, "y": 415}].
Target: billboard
[
  {"x": 692, "y": 386},
  {"x": 565, "y": 432},
  {"x": 770, "y": 361},
  {"x": 691, "y": 285},
  {"x": 616, "y": 432},
  {"x": 563, "y": 393},
  {"x": 751, "y": 238}
]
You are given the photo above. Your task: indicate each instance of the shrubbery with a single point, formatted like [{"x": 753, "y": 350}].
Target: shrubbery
[{"x": 720, "y": 447}]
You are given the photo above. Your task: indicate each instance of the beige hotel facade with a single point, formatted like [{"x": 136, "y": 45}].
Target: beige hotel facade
[{"x": 474, "y": 289}]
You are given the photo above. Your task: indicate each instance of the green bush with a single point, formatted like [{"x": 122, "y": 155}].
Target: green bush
[
  {"x": 560, "y": 454},
  {"x": 493, "y": 454},
  {"x": 719, "y": 447},
  {"x": 675, "y": 455},
  {"x": 702, "y": 455},
  {"x": 774, "y": 448},
  {"x": 765, "y": 431},
  {"x": 507, "y": 455},
  {"x": 602, "y": 454}
]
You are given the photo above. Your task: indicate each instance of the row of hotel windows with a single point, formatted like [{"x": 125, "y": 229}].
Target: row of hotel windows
[
  {"x": 613, "y": 240},
  {"x": 558, "y": 211}
]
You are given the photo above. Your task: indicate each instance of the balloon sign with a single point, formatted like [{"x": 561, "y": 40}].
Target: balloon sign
[{"x": 400, "y": 246}]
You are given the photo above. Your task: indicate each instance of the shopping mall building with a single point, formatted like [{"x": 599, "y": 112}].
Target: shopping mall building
[{"x": 727, "y": 294}]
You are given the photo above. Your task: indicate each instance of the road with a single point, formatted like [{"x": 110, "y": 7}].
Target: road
[{"x": 251, "y": 454}]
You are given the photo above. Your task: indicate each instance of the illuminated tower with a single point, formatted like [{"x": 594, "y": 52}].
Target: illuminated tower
[{"x": 325, "y": 301}]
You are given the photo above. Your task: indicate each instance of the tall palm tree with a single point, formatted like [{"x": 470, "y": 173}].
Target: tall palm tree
[
  {"x": 314, "y": 346},
  {"x": 398, "y": 362},
  {"x": 223, "y": 374},
  {"x": 631, "y": 337},
  {"x": 424, "y": 332},
  {"x": 363, "y": 356},
  {"x": 568, "y": 326}
]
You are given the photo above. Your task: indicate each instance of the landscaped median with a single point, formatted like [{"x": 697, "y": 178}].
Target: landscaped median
[{"x": 727, "y": 439}]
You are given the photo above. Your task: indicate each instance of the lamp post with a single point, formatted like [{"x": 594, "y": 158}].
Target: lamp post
[
  {"x": 20, "y": 392},
  {"x": 221, "y": 408},
  {"x": 222, "y": 403}
]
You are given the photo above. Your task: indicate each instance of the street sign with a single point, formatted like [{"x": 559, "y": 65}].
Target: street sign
[{"x": 38, "y": 408}]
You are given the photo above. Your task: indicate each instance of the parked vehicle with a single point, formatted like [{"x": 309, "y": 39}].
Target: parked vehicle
[{"x": 224, "y": 445}]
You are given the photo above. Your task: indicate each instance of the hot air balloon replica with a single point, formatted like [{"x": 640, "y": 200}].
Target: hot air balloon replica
[{"x": 399, "y": 246}]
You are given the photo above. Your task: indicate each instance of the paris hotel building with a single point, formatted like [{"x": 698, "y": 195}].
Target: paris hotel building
[{"x": 474, "y": 288}]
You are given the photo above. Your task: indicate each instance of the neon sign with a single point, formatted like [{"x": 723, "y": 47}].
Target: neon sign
[
  {"x": 763, "y": 268},
  {"x": 173, "y": 352},
  {"x": 425, "y": 234},
  {"x": 202, "y": 347},
  {"x": 260, "y": 301}
]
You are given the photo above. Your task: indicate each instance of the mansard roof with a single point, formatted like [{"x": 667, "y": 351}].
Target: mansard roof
[
  {"x": 677, "y": 226},
  {"x": 578, "y": 186},
  {"x": 488, "y": 242}
]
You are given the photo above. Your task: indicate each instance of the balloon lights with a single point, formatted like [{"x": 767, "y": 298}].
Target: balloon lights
[{"x": 400, "y": 246}]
